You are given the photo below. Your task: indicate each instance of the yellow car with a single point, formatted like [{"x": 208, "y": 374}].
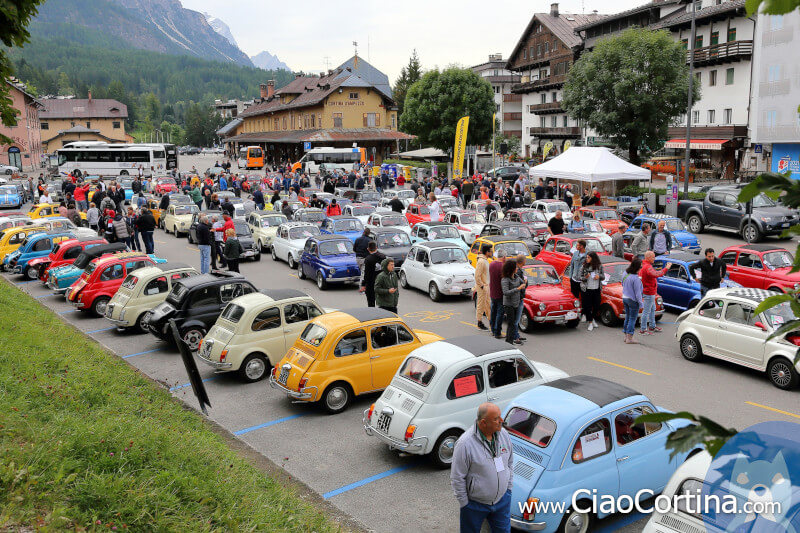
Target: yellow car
[
  {"x": 344, "y": 354},
  {"x": 512, "y": 246},
  {"x": 47, "y": 210},
  {"x": 178, "y": 218},
  {"x": 12, "y": 238}
]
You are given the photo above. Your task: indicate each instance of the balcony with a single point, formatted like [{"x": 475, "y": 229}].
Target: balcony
[
  {"x": 515, "y": 133},
  {"x": 540, "y": 84},
  {"x": 544, "y": 109},
  {"x": 555, "y": 132},
  {"x": 512, "y": 98},
  {"x": 774, "y": 88},
  {"x": 512, "y": 116},
  {"x": 721, "y": 53}
]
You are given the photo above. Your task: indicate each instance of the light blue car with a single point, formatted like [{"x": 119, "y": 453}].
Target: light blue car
[
  {"x": 437, "y": 231},
  {"x": 35, "y": 246},
  {"x": 344, "y": 225},
  {"x": 687, "y": 240},
  {"x": 10, "y": 196},
  {"x": 578, "y": 436}
]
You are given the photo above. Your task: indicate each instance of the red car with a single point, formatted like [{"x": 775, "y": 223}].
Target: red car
[
  {"x": 546, "y": 299},
  {"x": 607, "y": 217},
  {"x": 101, "y": 279},
  {"x": 64, "y": 253},
  {"x": 557, "y": 250},
  {"x": 761, "y": 266},
  {"x": 165, "y": 186},
  {"x": 532, "y": 217},
  {"x": 418, "y": 213}
]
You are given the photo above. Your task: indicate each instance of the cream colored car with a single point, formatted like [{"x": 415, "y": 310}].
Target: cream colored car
[
  {"x": 264, "y": 225},
  {"x": 141, "y": 291},
  {"x": 179, "y": 218},
  {"x": 254, "y": 331}
]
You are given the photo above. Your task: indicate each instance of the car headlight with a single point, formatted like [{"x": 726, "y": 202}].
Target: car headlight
[
  {"x": 122, "y": 314},
  {"x": 542, "y": 307},
  {"x": 797, "y": 285},
  {"x": 576, "y": 303},
  {"x": 332, "y": 271},
  {"x": 659, "y": 300},
  {"x": 448, "y": 281}
]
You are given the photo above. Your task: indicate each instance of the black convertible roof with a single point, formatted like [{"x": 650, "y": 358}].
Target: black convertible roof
[
  {"x": 437, "y": 244},
  {"x": 765, "y": 247},
  {"x": 607, "y": 259},
  {"x": 164, "y": 267},
  {"x": 365, "y": 314},
  {"x": 282, "y": 294},
  {"x": 479, "y": 345},
  {"x": 597, "y": 390},
  {"x": 686, "y": 257},
  {"x": 217, "y": 276}
]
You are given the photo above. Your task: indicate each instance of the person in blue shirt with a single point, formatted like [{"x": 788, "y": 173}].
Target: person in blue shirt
[
  {"x": 576, "y": 224},
  {"x": 223, "y": 183}
]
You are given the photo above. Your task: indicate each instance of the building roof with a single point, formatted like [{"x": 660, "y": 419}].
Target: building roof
[
  {"x": 681, "y": 17},
  {"x": 651, "y": 4},
  {"x": 21, "y": 88},
  {"x": 319, "y": 136},
  {"x": 83, "y": 108},
  {"x": 562, "y": 26},
  {"x": 364, "y": 70},
  {"x": 229, "y": 127}
]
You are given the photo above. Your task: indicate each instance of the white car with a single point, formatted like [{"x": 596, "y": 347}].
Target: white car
[
  {"x": 479, "y": 208},
  {"x": 687, "y": 481},
  {"x": 468, "y": 223},
  {"x": 290, "y": 239},
  {"x": 8, "y": 169},
  {"x": 388, "y": 220},
  {"x": 60, "y": 223},
  {"x": 178, "y": 219},
  {"x": 593, "y": 228},
  {"x": 549, "y": 208},
  {"x": 360, "y": 211},
  {"x": 435, "y": 393},
  {"x": 438, "y": 268},
  {"x": 406, "y": 195},
  {"x": 724, "y": 326},
  {"x": 264, "y": 225}
]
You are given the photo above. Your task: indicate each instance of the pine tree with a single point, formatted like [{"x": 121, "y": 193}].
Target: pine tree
[{"x": 409, "y": 75}]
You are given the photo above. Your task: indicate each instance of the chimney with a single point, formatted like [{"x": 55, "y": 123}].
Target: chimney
[
  {"x": 554, "y": 9},
  {"x": 90, "y": 97},
  {"x": 270, "y": 89},
  {"x": 263, "y": 91}
]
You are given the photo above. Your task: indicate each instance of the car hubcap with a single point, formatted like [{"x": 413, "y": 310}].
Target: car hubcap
[
  {"x": 192, "y": 339},
  {"x": 689, "y": 348},
  {"x": 33, "y": 273},
  {"x": 144, "y": 320},
  {"x": 320, "y": 281},
  {"x": 780, "y": 374},
  {"x": 750, "y": 234},
  {"x": 446, "y": 450},
  {"x": 523, "y": 321},
  {"x": 255, "y": 368},
  {"x": 101, "y": 307},
  {"x": 291, "y": 262},
  {"x": 336, "y": 398},
  {"x": 694, "y": 225},
  {"x": 576, "y": 523},
  {"x": 433, "y": 291}
]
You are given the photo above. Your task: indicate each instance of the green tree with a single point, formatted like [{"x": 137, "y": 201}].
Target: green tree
[
  {"x": 435, "y": 103},
  {"x": 514, "y": 143},
  {"x": 630, "y": 88},
  {"x": 772, "y": 7},
  {"x": 64, "y": 85},
  {"x": 409, "y": 75},
  {"x": 202, "y": 124}
]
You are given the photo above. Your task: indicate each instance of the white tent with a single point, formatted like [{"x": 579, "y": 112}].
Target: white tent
[{"x": 589, "y": 164}]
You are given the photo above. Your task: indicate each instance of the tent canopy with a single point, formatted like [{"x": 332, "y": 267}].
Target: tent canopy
[
  {"x": 589, "y": 164},
  {"x": 424, "y": 153}
]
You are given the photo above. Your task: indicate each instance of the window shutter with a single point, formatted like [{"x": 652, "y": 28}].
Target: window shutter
[
  {"x": 365, "y": 119},
  {"x": 377, "y": 120}
]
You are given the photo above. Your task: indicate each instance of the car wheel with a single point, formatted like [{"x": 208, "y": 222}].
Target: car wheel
[
  {"x": 572, "y": 324},
  {"x": 403, "y": 280},
  {"x": 321, "y": 281},
  {"x": 99, "y": 305},
  {"x": 189, "y": 237},
  {"x": 192, "y": 337},
  {"x": 525, "y": 322},
  {"x": 261, "y": 246},
  {"x": 274, "y": 255},
  {"x": 779, "y": 290},
  {"x": 8, "y": 172},
  {"x": 257, "y": 257},
  {"x": 300, "y": 273},
  {"x": 442, "y": 453},
  {"x": 336, "y": 398},
  {"x": 141, "y": 322},
  {"x": 254, "y": 368},
  {"x": 433, "y": 292},
  {"x": 608, "y": 317},
  {"x": 691, "y": 349},
  {"x": 751, "y": 233},
  {"x": 576, "y": 522},
  {"x": 782, "y": 373},
  {"x": 31, "y": 272},
  {"x": 695, "y": 224},
  {"x": 292, "y": 262}
]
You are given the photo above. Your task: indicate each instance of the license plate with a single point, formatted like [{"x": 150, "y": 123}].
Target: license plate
[
  {"x": 785, "y": 225},
  {"x": 283, "y": 376},
  {"x": 383, "y": 423},
  {"x": 455, "y": 290},
  {"x": 248, "y": 253},
  {"x": 571, "y": 315}
]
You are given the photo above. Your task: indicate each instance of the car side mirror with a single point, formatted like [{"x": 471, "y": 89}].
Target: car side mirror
[
  {"x": 761, "y": 325},
  {"x": 426, "y": 263}
]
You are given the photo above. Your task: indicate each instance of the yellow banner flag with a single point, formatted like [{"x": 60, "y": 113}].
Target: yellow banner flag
[
  {"x": 547, "y": 148},
  {"x": 460, "y": 147},
  {"x": 567, "y": 145}
]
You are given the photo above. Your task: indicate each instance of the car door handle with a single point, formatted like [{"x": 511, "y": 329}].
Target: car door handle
[
  {"x": 375, "y": 357},
  {"x": 722, "y": 327},
  {"x": 621, "y": 459},
  {"x": 493, "y": 398}
]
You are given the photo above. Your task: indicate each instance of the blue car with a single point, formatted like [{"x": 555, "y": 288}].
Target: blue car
[
  {"x": 687, "y": 240},
  {"x": 10, "y": 196},
  {"x": 579, "y": 436},
  {"x": 35, "y": 246},
  {"x": 127, "y": 184},
  {"x": 344, "y": 225},
  {"x": 437, "y": 231},
  {"x": 677, "y": 286},
  {"x": 328, "y": 259}
]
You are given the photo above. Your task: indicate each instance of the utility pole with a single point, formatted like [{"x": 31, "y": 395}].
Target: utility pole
[{"x": 691, "y": 46}]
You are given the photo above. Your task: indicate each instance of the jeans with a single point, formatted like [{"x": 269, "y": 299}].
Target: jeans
[
  {"x": 511, "y": 318},
  {"x": 83, "y": 205},
  {"x": 591, "y": 303},
  {"x": 498, "y": 515},
  {"x": 520, "y": 310},
  {"x": 136, "y": 243},
  {"x": 496, "y": 317},
  {"x": 205, "y": 258},
  {"x": 631, "y": 314},
  {"x": 147, "y": 238},
  {"x": 649, "y": 313}
]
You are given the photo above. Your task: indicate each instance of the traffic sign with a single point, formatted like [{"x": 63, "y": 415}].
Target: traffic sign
[{"x": 306, "y": 146}]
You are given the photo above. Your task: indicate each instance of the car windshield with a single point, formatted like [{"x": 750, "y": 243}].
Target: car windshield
[
  {"x": 352, "y": 224},
  {"x": 361, "y": 211},
  {"x": 762, "y": 200},
  {"x": 388, "y": 240},
  {"x": 394, "y": 221},
  {"x": 313, "y": 334},
  {"x": 126, "y": 183},
  {"x": 370, "y": 196},
  {"x": 311, "y": 216},
  {"x": 423, "y": 209},
  {"x": 90, "y": 268},
  {"x": 443, "y": 232},
  {"x": 242, "y": 229},
  {"x": 779, "y": 259},
  {"x": 675, "y": 224},
  {"x": 336, "y": 247},
  {"x": 779, "y": 315},
  {"x": 605, "y": 214},
  {"x": 512, "y": 249},
  {"x": 166, "y": 181},
  {"x": 541, "y": 275},
  {"x": 8, "y": 189},
  {"x": 447, "y": 201},
  {"x": 232, "y": 313},
  {"x": 594, "y": 245},
  {"x": 615, "y": 272},
  {"x": 303, "y": 233},
  {"x": 419, "y": 371},
  {"x": 518, "y": 231},
  {"x": 552, "y": 207},
  {"x": 440, "y": 256},
  {"x": 592, "y": 226},
  {"x": 186, "y": 209},
  {"x": 406, "y": 194},
  {"x": 472, "y": 218},
  {"x": 272, "y": 222},
  {"x": 533, "y": 427}
]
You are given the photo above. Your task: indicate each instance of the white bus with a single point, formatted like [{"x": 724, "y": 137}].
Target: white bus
[
  {"x": 340, "y": 158},
  {"x": 95, "y": 158}
]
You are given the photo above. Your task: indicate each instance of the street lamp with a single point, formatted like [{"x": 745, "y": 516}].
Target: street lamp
[{"x": 690, "y": 47}]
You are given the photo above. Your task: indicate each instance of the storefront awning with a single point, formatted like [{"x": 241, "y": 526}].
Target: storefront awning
[{"x": 697, "y": 144}]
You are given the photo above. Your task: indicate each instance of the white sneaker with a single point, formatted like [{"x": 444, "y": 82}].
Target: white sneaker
[
  {"x": 583, "y": 318},
  {"x": 591, "y": 326},
  {"x": 594, "y": 323}
]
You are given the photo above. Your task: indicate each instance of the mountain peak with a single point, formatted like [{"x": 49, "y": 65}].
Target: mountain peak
[
  {"x": 265, "y": 60},
  {"x": 221, "y": 28}
]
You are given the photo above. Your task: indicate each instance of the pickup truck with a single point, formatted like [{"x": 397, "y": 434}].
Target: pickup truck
[{"x": 721, "y": 208}]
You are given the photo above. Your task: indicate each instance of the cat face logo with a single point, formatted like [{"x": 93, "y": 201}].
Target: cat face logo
[
  {"x": 762, "y": 482},
  {"x": 783, "y": 164}
]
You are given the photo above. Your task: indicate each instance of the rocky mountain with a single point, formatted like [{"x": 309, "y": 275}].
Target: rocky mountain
[
  {"x": 221, "y": 28},
  {"x": 267, "y": 61}
]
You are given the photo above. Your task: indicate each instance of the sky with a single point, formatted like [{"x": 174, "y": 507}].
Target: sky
[{"x": 314, "y": 35}]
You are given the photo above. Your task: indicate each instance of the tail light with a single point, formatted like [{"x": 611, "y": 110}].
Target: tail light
[
  {"x": 223, "y": 355},
  {"x": 410, "y": 430},
  {"x": 369, "y": 413},
  {"x": 530, "y": 508},
  {"x": 302, "y": 384},
  {"x": 274, "y": 371}
]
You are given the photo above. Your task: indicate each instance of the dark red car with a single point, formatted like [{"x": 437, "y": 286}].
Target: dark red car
[
  {"x": 165, "y": 186},
  {"x": 761, "y": 266},
  {"x": 557, "y": 249},
  {"x": 418, "y": 213},
  {"x": 64, "y": 253},
  {"x": 606, "y": 216},
  {"x": 546, "y": 299}
]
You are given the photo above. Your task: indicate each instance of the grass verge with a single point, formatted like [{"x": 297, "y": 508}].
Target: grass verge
[{"x": 86, "y": 443}]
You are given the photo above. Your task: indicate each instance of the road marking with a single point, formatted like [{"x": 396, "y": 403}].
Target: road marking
[
  {"x": 191, "y": 248},
  {"x": 294, "y": 276},
  {"x": 139, "y": 353},
  {"x": 368, "y": 480},
  {"x": 161, "y": 242},
  {"x": 43, "y": 296},
  {"x": 621, "y": 523},
  {"x": 787, "y": 413},
  {"x": 101, "y": 329},
  {"x": 183, "y": 386},
  {"x": 26, "y": 281},
  {"x": 68, "y": 311},
  {"x": 432, "y": 316},
  {"x": 268, "y": 424},
  {"x": 620, "y": 366},
  {"x": 469, "y": 324}
]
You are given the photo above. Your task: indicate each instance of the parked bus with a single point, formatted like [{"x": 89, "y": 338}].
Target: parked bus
[
  {"x": 340, "y": 158},
  {"x": 250, "y": 157},
  {"x": 102, "y": 159}
]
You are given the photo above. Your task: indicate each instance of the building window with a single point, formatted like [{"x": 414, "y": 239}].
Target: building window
[
  {"x": 284, "y": 123},
  {"x": 774, "y": 73},
  {"x": 714, "y": 38},
  {"x": 116, "y": 124},
  {"x": 544, "y": 98},
  {"x": 698, "y": 41},
  {"x": 729, "y": 76},
  {"x": 394, "y": 121},
  {"x": 275, "y": 125},
  {"x": 542, "y": 122},
  {"x": 337, "y": 120},
  {"x": 712, "y": 78},
  {"x": 712, "y": 116},
  {"x": 313, "y": 120},
  {"x": 698, "y": 78},
  {"x": 372, "y": 120},
  {"x": 45, "y": 126},
  {"x": 542, "y": 74},
  {"x": 698, "y": 5},
  {"x": 497, "y": 108},
  {"x": 524, "y": 53},
  {"x": 776, "y": 22},
  {"x": 727, "y": 116},
  {"x": 695, "y": 117},
  {"x": 547, "y": 48},
  {"x": 555, "y": 46},
  {"x": 685, "y": 44},
  {"x": 553, "y": 122},
  {"x": 555, "y": 96},
  {"x": 353, "y": 96},
  {"x": 565, "y": 121},
  {"x": 731, "y": 34},
  {"x": 538, "y": 50},
  {"x": 771, "y": 118}
]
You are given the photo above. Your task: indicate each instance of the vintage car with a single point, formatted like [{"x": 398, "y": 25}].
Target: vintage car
[
  {"x": 290, "y": 240},
  {"x": 593, "y": 228},
  {"x": 479, "y": 208},
  {"x": 333, "y": 361},
  {"x": 606, "y": 216},
  {"x": 438, "y": 268},
  {"x": 533, "y": 218},
  {"x": 242, "y": 208},
  {"x": 264, "y": 225},
  {"x": 389, "y": 219},
  {"x": 254, "y": 332},
  {"x": 558, "y": 249},
  {"x": 546, "y": 300},
  {"x": 549, "y": 208},
  {"x": 10, "y": 197},
  {"x": 407, "y": 196},
  {"x": 761, "y": 266},
  {"x": 191, "y": 234},
  {"x": 343, "y": 225},
  {"x": 152, "y": 204},
  {"x": 517, "y": 230},
  {"x": 582, "y": 430},
  {"x": 688, "y": 242},
  {"x": 512, "y": 246},
  {"x": 310, "y": 215},
  {"x": 59, "y": 278},
  {"x": 141, "y": 291},
  {"x": 12, "y": 238},
  {"x": 328, "y": 259},
  {"x": 63, "y": 253},
  {"x": 101, "y": 279},
  {"x": 468, "y": 223},
  {"x": 678, "y": 287},
  {"x": 194, "y": 303},
  {"x": 164, "y": 186},
  {"x": 178, "y": 219},
  {"x": 392, "y": 242},
  {"x": 724, "y": 325},
  {"x": 359, "y": 211},
  {"x": 38, "y": 245},
  {"x": 245, "y": 236},
  {"x": 40, "y": 211},
  {"x": 435, "y": 393},
  {"x": 437, "y": 231},
  {"x": 416, "y": 213},
  {"x": 14, "y": 221},
  {"x": 687, "y": 482},
  {"x": 126, "y": 184},
  {"x": 447, "y": 202},
  {"x": 65, "y": 224},
  {"x": 363, "y": 196}
]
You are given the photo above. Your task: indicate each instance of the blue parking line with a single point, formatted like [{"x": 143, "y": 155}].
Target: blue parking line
[
  {"x": 68, "y": 311},
  {"x": 140, "y": 353},
  {"x": 368, "y": 480},
  {"x": 43, "y": 296},
  {"x": 268, "y": 424},
  {"x": 26, "y": 281},
  {"x": 619, "y": 524},
  {"x": 179, "y": 387},
  {"x": 101, "y": 329}
]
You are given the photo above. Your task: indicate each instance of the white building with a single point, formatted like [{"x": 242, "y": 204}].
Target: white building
[{"x": 508, "y": 106}]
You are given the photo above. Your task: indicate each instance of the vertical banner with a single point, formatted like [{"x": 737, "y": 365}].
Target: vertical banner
[
  {"x": 547, "y": 148},
  {"x": 567, "y": 145},
  {"x": 460, "y": 146}
]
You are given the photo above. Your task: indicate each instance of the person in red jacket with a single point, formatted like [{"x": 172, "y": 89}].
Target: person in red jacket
[
  {"x": 333, "y": 209},
  {"x": 226, "y": 226},
  {"x": 650, "y": 277},
  {"x": 80, "y": 196}
]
